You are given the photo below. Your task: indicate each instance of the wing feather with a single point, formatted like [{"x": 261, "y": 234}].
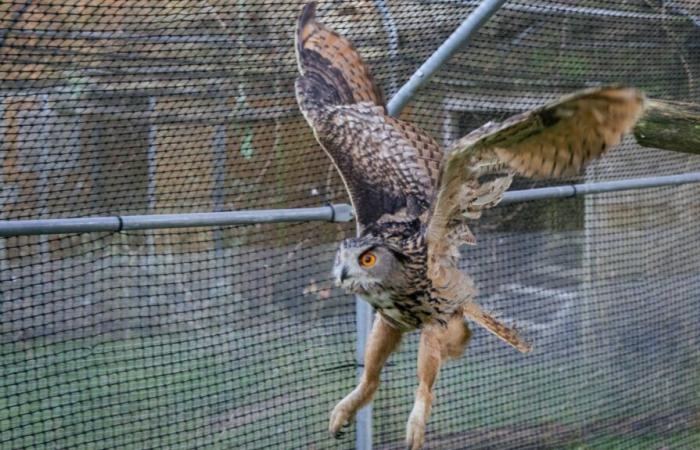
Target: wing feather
[
  {"x": 557, "y": 139},
  {"x": 380, "y": 166},
  {"x": 323, "y": 52},
  {"x": 428, "y": 153},
  {"x": 554, "y": 140},
  {"x": 386, "y": 164}
]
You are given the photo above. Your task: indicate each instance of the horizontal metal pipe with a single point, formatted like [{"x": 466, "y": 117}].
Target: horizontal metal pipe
[
  {"x": 573, "y": 190},
  {"x": 528, "y": 195},
  {"x": 58, "y": 226},
  {"x": 330, "y": 213}
]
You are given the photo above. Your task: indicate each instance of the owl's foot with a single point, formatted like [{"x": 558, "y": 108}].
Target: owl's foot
[
  {"x": 341, "y": 417},
  {"x": 383, "y": 339},
  {"x": 415, "y": 428}
]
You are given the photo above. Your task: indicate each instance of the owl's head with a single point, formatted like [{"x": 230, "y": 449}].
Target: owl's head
[{"x": 366, "y": 265}]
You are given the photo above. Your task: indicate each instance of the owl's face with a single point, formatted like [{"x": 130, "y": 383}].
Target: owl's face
[{"x": 364, "y": 266}]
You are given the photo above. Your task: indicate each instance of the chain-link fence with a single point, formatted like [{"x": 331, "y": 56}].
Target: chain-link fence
[{"x": 233, "y": 337}]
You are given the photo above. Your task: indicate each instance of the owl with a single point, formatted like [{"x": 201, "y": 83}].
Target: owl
[{"x": 413, "y": 202}]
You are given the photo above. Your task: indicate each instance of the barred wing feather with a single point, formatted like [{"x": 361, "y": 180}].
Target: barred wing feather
[
  {"x": 387, "y": 165},
  {"x": 554, "y": 140}
]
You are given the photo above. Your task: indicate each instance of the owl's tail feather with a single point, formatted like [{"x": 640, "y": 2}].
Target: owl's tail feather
[
  {"x": 332, "y": 71},
  {"x": 458, "y": 289},
  {"x": 509, "y": 335}
]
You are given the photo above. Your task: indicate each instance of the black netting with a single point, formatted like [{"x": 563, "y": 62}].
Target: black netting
[{"x": 233, "y": 337}]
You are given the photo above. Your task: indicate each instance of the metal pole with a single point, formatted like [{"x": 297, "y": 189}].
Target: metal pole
[
  {"x": 364, "y": 314},
  {"x": 574, "y": 190},
  {"x": 330, "y": 213},
  {"x": 456, "y": 41}
]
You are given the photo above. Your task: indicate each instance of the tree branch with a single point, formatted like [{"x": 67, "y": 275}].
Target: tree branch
[{"x": 670, "y": 125}]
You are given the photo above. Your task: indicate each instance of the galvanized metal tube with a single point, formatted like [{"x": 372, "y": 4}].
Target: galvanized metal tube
[
  {"x": 528, "y": 195},
  {"x": 573, "y": 190},
  {"x": 153, "y": 221},
  {"x": 330, "y": 213},
  {"x": 637, "y": 183},
  {"x": 364, "y": 314},
  {"x": 456, "y": 41},
  {"x": 58, "y": 226}
]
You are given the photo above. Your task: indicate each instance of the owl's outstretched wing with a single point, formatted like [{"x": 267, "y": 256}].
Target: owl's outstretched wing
[
  {"x": 557, "y": 139},
  {"x": 554, "y": 140},
  {"x": 386, "y": 164}
]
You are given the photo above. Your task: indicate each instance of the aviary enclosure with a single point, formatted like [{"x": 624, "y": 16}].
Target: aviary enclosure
[{"x": 233, "y": 336}]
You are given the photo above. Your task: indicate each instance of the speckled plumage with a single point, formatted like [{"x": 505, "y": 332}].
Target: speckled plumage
[
  {"x": 413, "y": 201},
  {"x": 406, "y": 306}
]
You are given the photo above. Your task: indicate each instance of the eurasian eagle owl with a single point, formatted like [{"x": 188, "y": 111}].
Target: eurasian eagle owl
[{"x": 412, "y": 201}]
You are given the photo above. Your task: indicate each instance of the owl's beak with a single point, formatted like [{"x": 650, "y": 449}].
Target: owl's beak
[{"x": 341, "y": 275}]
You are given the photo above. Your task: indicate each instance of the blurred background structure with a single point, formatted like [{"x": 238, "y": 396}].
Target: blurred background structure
[{"x": 233, "y": 337}]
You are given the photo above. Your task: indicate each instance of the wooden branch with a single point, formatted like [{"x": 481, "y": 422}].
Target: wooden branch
[{"x": 670, "y": 125}]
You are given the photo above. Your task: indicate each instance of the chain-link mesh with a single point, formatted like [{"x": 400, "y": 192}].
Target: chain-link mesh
[{"x": 233, "y": 337}]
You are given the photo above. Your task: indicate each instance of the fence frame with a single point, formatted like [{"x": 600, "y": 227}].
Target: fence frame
[{"x": 341, "y": 212}]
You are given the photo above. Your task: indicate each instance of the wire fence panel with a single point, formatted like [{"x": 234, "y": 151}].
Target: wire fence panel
[{"x": 233, "y": 337}]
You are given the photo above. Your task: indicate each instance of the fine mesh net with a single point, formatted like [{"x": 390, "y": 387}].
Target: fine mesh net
[{"x": 233, "y": 337}]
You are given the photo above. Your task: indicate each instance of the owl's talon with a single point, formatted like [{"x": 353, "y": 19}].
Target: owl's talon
[
  {"x": 337, "y": 434},
  {"x": 340, "y": 420},
  {"x": 415, "y": 434}
]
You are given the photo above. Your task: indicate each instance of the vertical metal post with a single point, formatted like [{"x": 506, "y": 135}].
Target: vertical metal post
[
  {"x": 3, "y": 242},
  {"x": 148, "y": 259},
  {"x": 44, "y": 132},
  {"x": 219, "y": 171},
  {"x": 363, "y": 319},
  {"x": 151, "y": 162}
]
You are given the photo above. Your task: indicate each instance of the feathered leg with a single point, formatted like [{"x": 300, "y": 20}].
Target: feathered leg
[
  {"x": 383, "y": 340},
  {"x": 437, "y": 344}
]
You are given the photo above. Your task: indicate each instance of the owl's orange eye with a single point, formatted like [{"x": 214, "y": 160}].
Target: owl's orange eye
[{"x": 368, "y": 259}]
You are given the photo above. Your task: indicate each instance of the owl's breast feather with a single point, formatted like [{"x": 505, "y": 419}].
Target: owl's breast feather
[{"x": 402, "y": 311}]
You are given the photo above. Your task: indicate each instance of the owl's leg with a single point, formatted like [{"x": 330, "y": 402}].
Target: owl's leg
[
  {"x": 437, "y": 344},
  {"x": 383, "y": 340}
]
